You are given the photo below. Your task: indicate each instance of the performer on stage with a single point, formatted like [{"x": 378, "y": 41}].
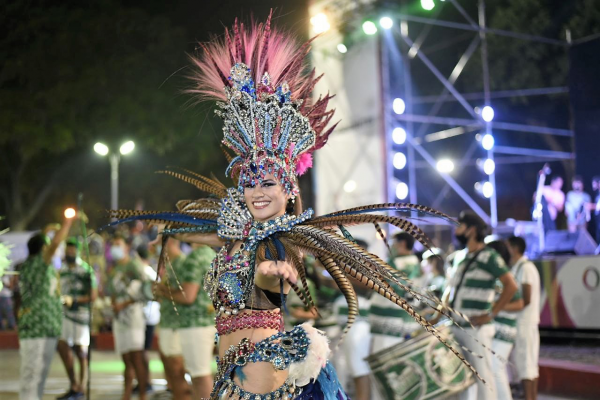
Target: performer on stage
[
  {"x": 596, "y": 195},
  {"x": 576, "y": 206},
  {"x": 527, "y": 343},
  {"x": 79, "y": 289},
  {"x": 553, "y": 202},
  {"x": 40, "y": 314},
  {"x": 272, "y": 125}
]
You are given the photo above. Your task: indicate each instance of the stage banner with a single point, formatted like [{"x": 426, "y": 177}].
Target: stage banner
[{"x": 570, "y": 295}]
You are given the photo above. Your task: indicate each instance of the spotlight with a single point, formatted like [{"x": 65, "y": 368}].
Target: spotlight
[
  {"x": 487, "y": 141},
  {"x": 349, "y": 186},
  {"x": 320, "y": 23},
  {"x": 399, "y": 106},
  {"x": 386, "y": 22},
  {"x": 342, "y": 48},
  {"x": 486, "y": 189},
  {"x": 427, "y": 4},
  {"x": 401, "y": 190},
  {"x": 487, "y": 113},
  {"x": 369, "y": 27},
  {"x": 489, "y": 166},
  {"x": 399, "y": 135},
  {"x": 70, "y": 213},
  {"x": 399, "y": 160},
  {"x": 445, "y": 166}
]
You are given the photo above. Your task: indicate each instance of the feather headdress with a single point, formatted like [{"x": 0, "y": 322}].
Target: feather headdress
[{"x": 258, "y": 77}]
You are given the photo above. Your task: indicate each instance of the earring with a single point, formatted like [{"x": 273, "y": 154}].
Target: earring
[{"x": 293, "y": 199}]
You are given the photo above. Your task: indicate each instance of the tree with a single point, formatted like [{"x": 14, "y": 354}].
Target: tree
[{"x": 75, "y": 73}]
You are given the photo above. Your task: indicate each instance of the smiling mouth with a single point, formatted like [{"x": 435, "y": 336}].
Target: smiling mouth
[{"x": 259, "y": 205}]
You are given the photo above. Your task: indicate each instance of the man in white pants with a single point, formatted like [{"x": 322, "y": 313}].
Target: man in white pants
[
  {"x": 471, "y": 290},
  {"x": 187, "y": 329},
  {"x": 527, "y": 344},
  {"x": 40, "y": 315}
]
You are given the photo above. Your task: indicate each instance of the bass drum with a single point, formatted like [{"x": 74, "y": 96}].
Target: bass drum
[{"x": 419, "y": 368}]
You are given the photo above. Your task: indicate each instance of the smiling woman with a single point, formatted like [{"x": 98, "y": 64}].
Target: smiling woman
[{"x": 272, "y": 125}]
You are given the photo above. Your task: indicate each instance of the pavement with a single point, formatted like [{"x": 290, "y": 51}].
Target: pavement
[{"x": 106, "y": 374}]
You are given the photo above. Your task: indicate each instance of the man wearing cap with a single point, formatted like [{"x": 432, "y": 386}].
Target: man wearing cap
[
  {"x": 40, "y": 315},
  {"x": 471, "y": 291},
  {"x": 79, "y": 289}
]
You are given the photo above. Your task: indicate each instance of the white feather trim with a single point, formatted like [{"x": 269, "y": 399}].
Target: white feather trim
[{"x": 318, "y": 351}]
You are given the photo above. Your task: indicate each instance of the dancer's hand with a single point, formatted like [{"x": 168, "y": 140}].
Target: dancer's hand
[{"x": 269, "y": 272}]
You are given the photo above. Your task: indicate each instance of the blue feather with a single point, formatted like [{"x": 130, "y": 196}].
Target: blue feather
[{"x": 165, "y": 216}]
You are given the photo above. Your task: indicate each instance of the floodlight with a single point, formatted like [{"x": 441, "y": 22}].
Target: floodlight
[
  {"x": 101, "y": 149},
  {"x": 369, "y": 27},
  {"x": 427, "y": 4},
  {"x": 127, "y": 147},
  {"x": 350, "y": 186},
  {"x": 401, "y": 190},
  {"x": 320, "y": 23},
  {"x": 399, "y": 106},
  {"x": 399, "y": 160},
  {"x": 399, "y": 135},
  {"x": 487, "y": 113},
  {"x": 487, "y": 141},
  {"x": 342, "y": 48},
  {"x": 386, "y": 22},
  {"x": 445, "y": 166}
]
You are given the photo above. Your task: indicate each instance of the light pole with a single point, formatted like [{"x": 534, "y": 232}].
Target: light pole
[{"x": 114, "y": 159}]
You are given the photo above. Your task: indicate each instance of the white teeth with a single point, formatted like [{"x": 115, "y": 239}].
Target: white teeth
[{"x": 261, "y": 203}]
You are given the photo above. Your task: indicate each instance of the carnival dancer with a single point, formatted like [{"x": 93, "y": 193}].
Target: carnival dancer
[
  {"x": 79, "y": 289},
  {"x": 40, "y": 314},
  {"x": 128, "y": 322},
  {"x": 272, "y": 125},
  {"x": 470, "y": 291},
  {"x": 527, "y": 343}
]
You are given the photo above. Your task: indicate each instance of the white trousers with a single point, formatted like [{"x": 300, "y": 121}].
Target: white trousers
[
  {"x": 502, "y": 349},
  {"x": 484, "y": 334},
  {"x": 36, "y": 357}
]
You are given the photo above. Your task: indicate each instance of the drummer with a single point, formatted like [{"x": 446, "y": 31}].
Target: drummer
[{"x": 470, "y": 290}]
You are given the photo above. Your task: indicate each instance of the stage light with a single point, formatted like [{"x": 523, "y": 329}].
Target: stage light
[
  {"x": 101, "y": 149},
  {"x": 350, "y": 186},
  {"x": 487, "y": 141},
  {"x": 399, "y": 160},
  {"x": 427, "y": 4},
  {"x": 369, "y": 27},
  {"x": 399, "y": 135},
  {"x": 401, "y": 190},
  {"x": 127, "y": 147},
  {"x": 487, "y": 113},
  {"x": 487, "y": 190},
  {"x": 320, "y": 23},
  {"x": 489, "y": 166},
  {"x": 445, "y": 166},
  {"x": 399, "y": 106},
  {"x": 70, "y": 213},
  {"x": 342, "y": 48},
  {"x": 386, "y": 22}
]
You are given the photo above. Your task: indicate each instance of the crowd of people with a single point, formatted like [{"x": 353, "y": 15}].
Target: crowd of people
[
  {"x": 581, "y": 210},
  {"x": 492, "y": 284}
]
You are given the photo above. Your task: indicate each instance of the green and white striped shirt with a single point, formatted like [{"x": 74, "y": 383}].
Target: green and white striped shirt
[
  {"x": 476, "y": 292},
  {"x": 506, "y": 322}
]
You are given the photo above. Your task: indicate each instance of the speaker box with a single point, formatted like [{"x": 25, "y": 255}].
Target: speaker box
[{"x": 565, "y": 242}]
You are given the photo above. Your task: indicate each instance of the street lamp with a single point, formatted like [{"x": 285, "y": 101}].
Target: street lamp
[{"x": 114, "y": 159}]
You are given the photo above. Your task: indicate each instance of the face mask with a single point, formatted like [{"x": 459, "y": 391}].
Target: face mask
[
  {"x": 70, "y": 259},
  {"x": 117, "y": 253},
  {"x": 462, "y": 239}
]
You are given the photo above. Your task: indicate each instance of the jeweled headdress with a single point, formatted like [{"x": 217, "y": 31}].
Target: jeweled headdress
[{"x": 259, "y": 78}]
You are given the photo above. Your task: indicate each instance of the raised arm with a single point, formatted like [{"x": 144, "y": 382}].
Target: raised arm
[{"x": 59, "y": 236}]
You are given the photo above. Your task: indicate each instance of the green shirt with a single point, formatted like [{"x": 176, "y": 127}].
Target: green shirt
[
  {"x": 190, "y": 269},
  {"x": 121, "y": 276},
  {"x": 77, "y": 281},
  {"x": 506, "y": 322},
  {"x": 40, "y": 315},
  {"x": 476, "y": 293},
  {"x": 387, "y": 318}
]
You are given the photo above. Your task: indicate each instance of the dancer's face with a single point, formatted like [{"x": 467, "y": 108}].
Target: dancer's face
[{"x": 267, "y": 200}]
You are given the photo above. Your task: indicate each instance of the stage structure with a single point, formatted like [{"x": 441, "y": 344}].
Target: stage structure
[{"x": 367, "y": 50}]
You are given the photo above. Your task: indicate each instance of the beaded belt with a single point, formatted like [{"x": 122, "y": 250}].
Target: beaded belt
[{"x": 258, "y": 319}]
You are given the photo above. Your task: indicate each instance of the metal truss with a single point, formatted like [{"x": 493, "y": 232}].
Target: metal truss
[{"x": 417, "y": 141}]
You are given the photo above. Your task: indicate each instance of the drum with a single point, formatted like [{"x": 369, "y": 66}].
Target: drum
[{"x": 419, "y": 368}]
